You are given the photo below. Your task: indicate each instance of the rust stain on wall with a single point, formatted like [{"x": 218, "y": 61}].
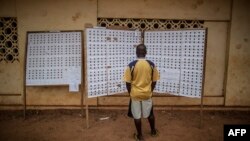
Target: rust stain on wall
[
  {"x": 245, "y": 40},
  {"x": 241, "y": 91},
  {"x": 217, "y": 9},
  {"x": 76, "y": 16},
  {"x": 200, "y": 2},
  {"x": 197, "y": 4},
  {"x": 238, "y": 46}
]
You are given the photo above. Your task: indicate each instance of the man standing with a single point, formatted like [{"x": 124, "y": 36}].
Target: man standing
[{"x": 140, "y": 77}]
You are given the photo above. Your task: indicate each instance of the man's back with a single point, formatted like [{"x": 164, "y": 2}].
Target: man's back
[{"x": 139, "y": 74}]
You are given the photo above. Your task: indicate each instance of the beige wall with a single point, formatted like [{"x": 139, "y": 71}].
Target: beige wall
[
  {"x": 8, "y": 8},
  {"x": 238, "y": 80},
  {"x": 215, "y": 58},
  {"x": 44, "y": 15},
  {"x": 10, "y": 73},
  {"x": 165, "y": 9}
]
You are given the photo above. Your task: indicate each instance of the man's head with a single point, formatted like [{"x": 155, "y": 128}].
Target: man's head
[{"x": 141, "y": 50}]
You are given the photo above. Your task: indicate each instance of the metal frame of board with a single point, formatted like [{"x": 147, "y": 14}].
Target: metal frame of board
[{"x": 25, "y": 69}]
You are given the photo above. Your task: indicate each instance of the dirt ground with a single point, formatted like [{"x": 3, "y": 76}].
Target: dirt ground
[{"x": 114, "y": 125}]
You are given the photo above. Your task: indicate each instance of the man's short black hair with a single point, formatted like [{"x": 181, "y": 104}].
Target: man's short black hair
[
  {"x": 141, "y": 50},
  {"x": 141, "y": 46}
]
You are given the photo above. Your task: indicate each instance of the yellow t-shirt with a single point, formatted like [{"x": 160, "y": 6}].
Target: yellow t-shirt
[{"x": 142, "y": 79}]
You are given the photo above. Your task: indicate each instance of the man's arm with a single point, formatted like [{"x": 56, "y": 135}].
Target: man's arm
[
  {"x": 153, "y": 86},
  {"x": 128, "y": 85}
]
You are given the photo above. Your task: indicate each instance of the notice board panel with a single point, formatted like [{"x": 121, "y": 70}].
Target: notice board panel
[
  {"x": 108, "y": 54},
  {"x": 53, "y": 58},
  {"x": 178, "y": 55}
]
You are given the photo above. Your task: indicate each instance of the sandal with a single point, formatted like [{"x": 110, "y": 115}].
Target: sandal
[
  {"x": 155, "y": 133},
  {"x": 138, "y": 139}
]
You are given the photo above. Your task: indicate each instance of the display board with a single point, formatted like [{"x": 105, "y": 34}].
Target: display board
[
  {"x": 108, "y": 54},
  {"x": 54, "y": 58},
  {"x": 179, "y": 57}
]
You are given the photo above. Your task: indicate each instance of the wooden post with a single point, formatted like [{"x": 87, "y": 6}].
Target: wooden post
[
  {"x": 86, "y": 80},
  {"x": 201, "y": 110},
  {"x": 87, "y": 111},
  {"x": 82, "y": 80},
  {"x": 24, "y": 77},
  {"x": 203, "y": 80}
]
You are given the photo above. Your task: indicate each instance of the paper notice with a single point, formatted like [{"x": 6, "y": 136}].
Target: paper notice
[
  {"x": 74, "y": 87},
  {"x": 170, "y": 75}
]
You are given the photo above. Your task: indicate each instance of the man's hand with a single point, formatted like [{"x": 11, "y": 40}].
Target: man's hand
[
  {"x": 128, "y": 85},
  {"x": 153, "y": 86}
]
